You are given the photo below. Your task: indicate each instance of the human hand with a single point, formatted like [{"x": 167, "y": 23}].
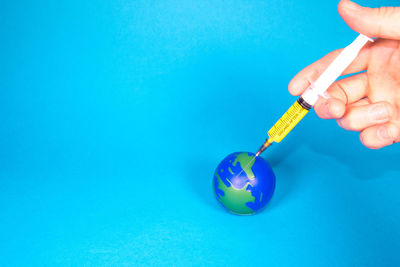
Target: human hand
[{"x": 368, "y": 102}]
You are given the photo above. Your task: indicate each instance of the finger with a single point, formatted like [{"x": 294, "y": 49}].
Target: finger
[
  {"x": 301, "y": 81},
  {"x": 341, "y": 93},
  {"x": 332, "y": 108},
  {"x": 373, "y": 22},
  {"x": 358, "y": 118},
  {"x": 380, "y": 135},
  {"x": 350, "y": 89}
]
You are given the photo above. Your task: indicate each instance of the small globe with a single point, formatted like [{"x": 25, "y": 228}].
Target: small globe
[{"x": 243, "y": 183}]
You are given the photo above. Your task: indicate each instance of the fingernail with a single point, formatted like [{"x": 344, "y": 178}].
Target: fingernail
[
  {"x": 379, "y": 113},
  {"x": 384, "y": 133},
  {"x": 326, "y": 95},
  {"x": 324, "y": 107},
  {"x": 328, "y": 108},
  {"x": 339, "y": 122},
  {"x": 351, "y": 5}
]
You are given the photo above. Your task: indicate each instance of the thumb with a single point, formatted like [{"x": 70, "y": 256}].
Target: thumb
[{"x": 381, "y": 22}]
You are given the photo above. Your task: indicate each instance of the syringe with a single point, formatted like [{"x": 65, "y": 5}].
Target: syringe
[{"x": 308, "y": 99}]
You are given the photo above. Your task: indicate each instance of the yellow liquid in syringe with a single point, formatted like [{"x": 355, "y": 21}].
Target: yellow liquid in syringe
[{"x": 287, "y": 122}]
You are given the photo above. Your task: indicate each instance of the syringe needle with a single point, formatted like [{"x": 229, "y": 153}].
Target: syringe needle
[{"x": 267, "y": 143}]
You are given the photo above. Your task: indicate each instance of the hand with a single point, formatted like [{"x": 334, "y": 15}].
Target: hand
[{"x": 368, "y": 102}]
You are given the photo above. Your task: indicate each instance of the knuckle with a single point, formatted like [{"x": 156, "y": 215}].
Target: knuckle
[
  {"x": 389, "y": 108},
  {"x": 386, "y": 11},
  {"x": 379, "y": 112}
]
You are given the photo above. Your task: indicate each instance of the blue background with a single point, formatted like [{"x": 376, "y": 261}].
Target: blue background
[{"x": 114, "y": 115}]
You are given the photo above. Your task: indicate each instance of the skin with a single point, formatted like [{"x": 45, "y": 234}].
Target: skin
[{"x": 368, "y": 102}]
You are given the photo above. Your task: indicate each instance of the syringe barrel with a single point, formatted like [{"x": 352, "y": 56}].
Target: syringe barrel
[{"x": 290, "y": 119}]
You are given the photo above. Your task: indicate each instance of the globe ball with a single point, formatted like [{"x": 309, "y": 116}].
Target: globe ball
[{"x": 243, "y": 183}]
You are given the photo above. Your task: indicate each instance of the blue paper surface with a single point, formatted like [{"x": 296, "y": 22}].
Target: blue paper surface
[{"x": 115, "y": 114}]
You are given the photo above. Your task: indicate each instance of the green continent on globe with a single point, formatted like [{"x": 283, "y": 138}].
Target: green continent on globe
[
  {"x": 246, "y": 162},
  {"x": 235, "y": 199}
]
